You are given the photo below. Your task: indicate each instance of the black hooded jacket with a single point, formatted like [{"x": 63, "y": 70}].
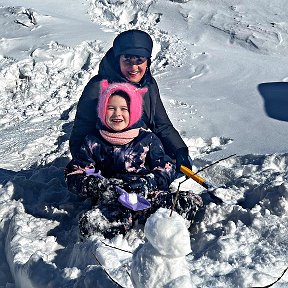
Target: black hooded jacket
[{"x": 154, "y": 114}]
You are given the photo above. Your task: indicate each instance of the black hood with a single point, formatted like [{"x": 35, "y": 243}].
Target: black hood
[
  {"x": 109, "y": 69},
  {"x": 133, "y": 42}
]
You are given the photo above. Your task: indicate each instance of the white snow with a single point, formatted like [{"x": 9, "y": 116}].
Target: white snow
[
  {"x": 132, "y": 198},
  {"x": 221, "y": 67}
]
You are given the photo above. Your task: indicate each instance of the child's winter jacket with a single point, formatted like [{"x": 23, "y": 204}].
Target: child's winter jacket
[{"x": 144, "y": 158}]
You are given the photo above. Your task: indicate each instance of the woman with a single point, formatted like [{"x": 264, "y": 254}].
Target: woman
[{"x": 129, "y": 61}]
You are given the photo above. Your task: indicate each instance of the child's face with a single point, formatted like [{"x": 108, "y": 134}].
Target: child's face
[{"x": 117, "y": 114}]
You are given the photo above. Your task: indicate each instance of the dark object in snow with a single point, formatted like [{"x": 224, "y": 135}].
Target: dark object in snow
[{"x": 275, "y": 95}]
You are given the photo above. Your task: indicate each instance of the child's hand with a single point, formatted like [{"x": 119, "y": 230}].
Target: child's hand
[
  {"x": 137, "y": 186},
  {"x": 140, "y": 186},
  {"x": 93, "y": 186}
]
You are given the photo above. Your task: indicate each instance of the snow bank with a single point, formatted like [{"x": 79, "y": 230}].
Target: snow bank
[{"x": 209, "y": 59}]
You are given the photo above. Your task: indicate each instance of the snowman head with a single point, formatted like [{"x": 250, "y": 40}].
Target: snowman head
[{"x": 168, "y": 235}]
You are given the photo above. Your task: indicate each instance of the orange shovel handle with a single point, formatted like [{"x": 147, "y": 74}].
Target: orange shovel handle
[{"x": 188, "y": 172}]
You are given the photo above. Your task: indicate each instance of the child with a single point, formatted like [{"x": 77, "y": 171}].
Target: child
[{"x": 127, "y": 156}]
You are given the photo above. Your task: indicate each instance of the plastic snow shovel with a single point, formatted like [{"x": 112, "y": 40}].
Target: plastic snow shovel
[
  {"x": 193, "y": 175},
  {"x": 131, "y": 201}
]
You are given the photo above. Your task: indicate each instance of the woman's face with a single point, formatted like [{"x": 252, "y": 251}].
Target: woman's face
[
  {"x": 133, "y": 67},
  {"x": 117, "y": 114}
]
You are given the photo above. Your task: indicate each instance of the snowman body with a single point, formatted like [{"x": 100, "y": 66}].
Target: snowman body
[{"x": 161, "y": 261}]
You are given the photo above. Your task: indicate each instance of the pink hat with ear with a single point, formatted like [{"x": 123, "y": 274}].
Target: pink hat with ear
[{"x": 135, "y": 95}]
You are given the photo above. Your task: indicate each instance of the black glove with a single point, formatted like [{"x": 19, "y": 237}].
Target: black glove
[
  {"x": 142, "y": 185},
  {"x": 182, "y": 158}
]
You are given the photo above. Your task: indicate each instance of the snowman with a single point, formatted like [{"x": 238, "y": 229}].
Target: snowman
[{"x": 161, "y": 261}]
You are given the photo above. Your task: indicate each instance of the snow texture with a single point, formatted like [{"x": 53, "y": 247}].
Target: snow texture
[{"x": 221, "y": 67}]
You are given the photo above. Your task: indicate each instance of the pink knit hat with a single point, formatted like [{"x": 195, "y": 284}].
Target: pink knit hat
[{"x": 135, "y": 94}]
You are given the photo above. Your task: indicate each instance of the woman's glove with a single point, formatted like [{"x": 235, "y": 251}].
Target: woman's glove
[{"x": 182, "y": 158}]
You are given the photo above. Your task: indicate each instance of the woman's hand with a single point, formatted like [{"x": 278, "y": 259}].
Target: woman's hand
[{"x": 183, "y": 158}]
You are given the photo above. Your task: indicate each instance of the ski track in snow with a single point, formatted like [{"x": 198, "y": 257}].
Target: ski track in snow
[{"x": 240, "y": 243}]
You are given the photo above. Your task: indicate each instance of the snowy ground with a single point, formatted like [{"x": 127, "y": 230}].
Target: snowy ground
[{"x": 222, "y": 71}]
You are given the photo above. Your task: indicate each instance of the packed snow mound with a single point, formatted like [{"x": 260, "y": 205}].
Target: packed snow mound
[
  {"x": 168, "y": 233},
  {"x": 51, "y": 80},
  {"x": 247, "y": 29}
]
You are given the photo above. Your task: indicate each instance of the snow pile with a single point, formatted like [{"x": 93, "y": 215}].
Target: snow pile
[
  {"x": 210, "y": 59},
  {"x": 139, "y": 15},
  {"x": 246, "y": 228},
  {"x": 241, "y": 242},
  {"x": 161, "y": 262},
  {"x": 51, "y": 80}
]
